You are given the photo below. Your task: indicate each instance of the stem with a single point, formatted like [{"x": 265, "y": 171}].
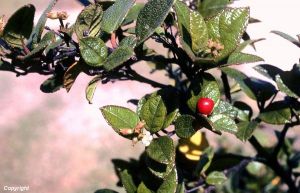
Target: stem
[
  {"x": 285, "y": 175},
  {"x": 226, "y": 87}
]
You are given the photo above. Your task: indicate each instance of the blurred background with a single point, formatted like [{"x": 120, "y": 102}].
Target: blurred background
[{"x": 59, "y": 143}]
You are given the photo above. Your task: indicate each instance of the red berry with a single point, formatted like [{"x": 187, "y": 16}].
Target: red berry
[{"x": 205, "y": 106}]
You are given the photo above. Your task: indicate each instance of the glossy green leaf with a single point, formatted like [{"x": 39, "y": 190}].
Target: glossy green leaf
[
  {"x": 287, "y": 37},
  {"x": 19, "y": 26},
  {"x": 223, "y": 122},
  {"x": 36, "y": 34},
  {"x": 170, "y": 118},
  {"x": 239, "y": 77},
  {"x": 216, "y": 178},
  {"x": 133, "y": 13},
  {"x": 183, "y": 22},
  {"x": 119, "y": 117},
  {"x": 128, "y": 182},
  {"x": 268, "y": 71},
  {"x": 169, "y": 184},
  {"x": 91, "y": 88},
  {"x": 242, "y": 58},
  {"x": 286, "y": 83},
  {"x": 88, "y": 21},
  {"x": 121, "y": 54},
  {"x": 198, "y": 31},
  {"x": 53, "y": 45},
  {"x": 158, "y": 169},
  {"x": 227, "y": 28},
  {"x": 208, "y": 88},
  {"x": 246, "y": 129},
  {"x": 154, "y": 113},
  {"x": 180, "y": 188},
  {"x": 118, "y": 57},
  {"x": 115, "y": 14},
  {"x": 192, "y": 28},
  {"x": 93, "y": 51},
  {"x": 47, "y": 39},
  {"x": 277, "y": 113},
  {"x": 162, "y": 150},
  {"x": 233, "y": 112},
  {"x": 185, "y": 126},
  {"x": 209, "y": 8},
  {"x": 262, "y": 90},
  {"x": 143, "y": 189},
  {"x": 152, "y": 16}
]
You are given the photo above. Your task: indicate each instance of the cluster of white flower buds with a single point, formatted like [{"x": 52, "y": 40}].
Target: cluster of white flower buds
[
  {"x": 214, "y": 47},
  {"x": 140, "y": 134}
]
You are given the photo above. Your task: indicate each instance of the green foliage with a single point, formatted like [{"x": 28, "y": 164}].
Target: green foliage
[
  {"x": 150, "y": 17},
  {"x": 212, "y": 38},
  {"x": 19, "y": 26},
  {"x": 93, "y": 51},
  {"x": 88, "y": 21}
]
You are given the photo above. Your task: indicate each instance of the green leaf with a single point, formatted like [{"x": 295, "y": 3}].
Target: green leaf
[
  {"x": 227, "y": 28},
  {"x": 36, "y": 34},
  {"x": 19, "y": 26},
  {"x": 268, "y": 71},
  {"x": 216, "y": 178},
  {"x": 48, "y": 38},
  {"x": 121, "y": 54},
  {"x": 209, "y": 8},
  {"x": 192, "y": 28},
  {"x": 286, "y": 82},
  {"x": 205, "y": 161},
  {"x": 223, "y": 122},
  {"x": 88, "y": 21},
  {"x": 242, "y": 58},
  {"x": 133, "y": 13},
  {"x": 287, "y": 37},
  {"x": 246, "y": 129},
  {"x": 185, "y": 126},
  {"x": 180, "y": 188},
  {"x": 233, "y": 112},
  {"x": 115, "y": 14},
  {"x": 152, "y": 16},
  {"x": 277, "y": 113},
  {"x": 118, "y": 57},
  {"x": 162, "y": 150},
  {"x": 198, "y": 31},
  {"x": 106, "y": 191},
  {"x": 91, "y": 88},
  {"x": 245, "y": 43},
  {"x": 119, "y": 117},
  {"x": 284, "y": 88},
  {"x": 158, "y": 169},
  {"x": 53, "y": 45},
  {"x": 127, "y": 182},
  {"x": 169, "y": 184},
  {"x": 154, "y": 113},
  {"x": 93, "y": 51},
  {"x": 183, "y": 22},
  {"x": 239, "y": 77},
  {"x": 143, "y": 189},
  {"x": 170, "y": 118},
  {"x": 208, "y": 88},
  {"x": 52, "y": 84},
  {"x": 262, "y": 90}
]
